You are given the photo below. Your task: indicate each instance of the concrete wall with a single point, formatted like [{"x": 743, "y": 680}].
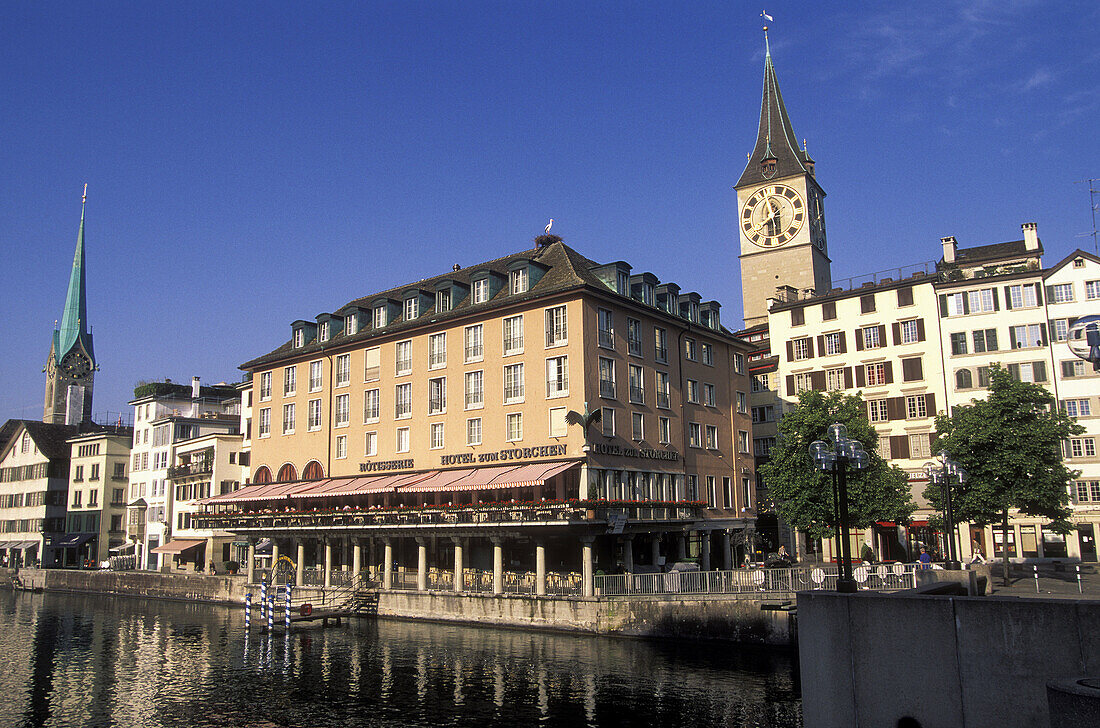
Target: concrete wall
[
  {"x": 194, "y": 588},
  {"x": 870, "y": 659}
]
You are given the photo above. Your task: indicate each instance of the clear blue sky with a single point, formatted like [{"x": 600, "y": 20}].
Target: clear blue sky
[{"x": 250, "y": 164}]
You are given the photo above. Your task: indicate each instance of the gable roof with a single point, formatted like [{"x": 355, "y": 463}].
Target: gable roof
[{"x": 995, "y": 251}]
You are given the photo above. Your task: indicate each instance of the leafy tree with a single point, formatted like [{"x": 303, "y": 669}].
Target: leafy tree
[
  {"x": 804, "y": 494},
  {"x": 1011, "y": 448}
]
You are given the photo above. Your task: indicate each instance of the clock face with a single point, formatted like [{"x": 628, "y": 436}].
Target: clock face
[
  {"x": 76, "y": 365},
  {"x": 773, "y": 215}
]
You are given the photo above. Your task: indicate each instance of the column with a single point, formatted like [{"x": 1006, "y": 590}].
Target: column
[
  {"x": 498, "y": 566},
  {"x": 274, "y": 552},
  {"x": 705, "y": 559},
  {"x": 356, "y": 558},
  {"x": 328, "y": 563},
  {"x": 421, "y": 564},
  {"x": 628, "y": 554},
  {"x": 250, "y": 568},
  {"x": 587, "y": 587},
  {"x": 655, "y": 549},
  {"x": 540, "y": 570},
  {"x": 300, "y": 567},
  {"x": 727, "y": 551},
  {"x": 459, "y": 566},
  {"x": 1073, "y": 545},
  {"x": 210, "y": 555},
  {"x": 583, "y": 491},
  {"x": 387, "y": 564},
  {"x": 681, "y": 547}
]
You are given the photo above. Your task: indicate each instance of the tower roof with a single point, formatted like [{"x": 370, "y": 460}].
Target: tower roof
[
  {"x": 74, "y": 321},
  {"x": 775, "y": 138}
]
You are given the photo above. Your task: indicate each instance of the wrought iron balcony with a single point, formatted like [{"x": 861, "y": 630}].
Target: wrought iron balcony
[{"x": 200, "y": 467}]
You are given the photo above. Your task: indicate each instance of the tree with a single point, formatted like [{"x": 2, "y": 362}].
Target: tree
[
  {"x": 804, "y": 495},
  {"x": 1010, "y": 446}
]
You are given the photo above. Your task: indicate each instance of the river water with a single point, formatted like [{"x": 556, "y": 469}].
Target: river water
[{"x": 74, "y": 660}]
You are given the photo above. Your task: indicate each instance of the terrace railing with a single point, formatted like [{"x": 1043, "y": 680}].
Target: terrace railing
[{"x": 756, "y": 582}]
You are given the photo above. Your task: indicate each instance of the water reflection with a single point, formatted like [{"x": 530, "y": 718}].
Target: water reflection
[{"x": 101, "y": 661}]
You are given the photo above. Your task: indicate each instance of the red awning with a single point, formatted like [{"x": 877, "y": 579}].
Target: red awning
[
  {"x": 506, "y": 476},
  {"x": 178, "y": 546}
]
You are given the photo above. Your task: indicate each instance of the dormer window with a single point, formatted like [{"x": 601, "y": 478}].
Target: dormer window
[
  {"x": 769, "y": 166},
  {"x": 412, "y": 308},
  {"x": 481, "y": 290},
  {"x": 379, "y": 316},
  {"x": 326, "y": 330},
  {"x": 517, "y": 281},
  {"x": 349, "y": 325},
  {"x": 647, "y": 294},
  {"x": 622, "y": 283},
  {"x": 299, "y": 338},
  {"x": 443, "y": 300}
]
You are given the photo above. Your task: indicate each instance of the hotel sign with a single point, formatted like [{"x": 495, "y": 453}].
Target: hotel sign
[
  {"x": 600, "y": 448},
  {"x": 514, "y": 453}
]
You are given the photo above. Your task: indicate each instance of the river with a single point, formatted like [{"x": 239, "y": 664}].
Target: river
[{"x": 75, "y": 660}]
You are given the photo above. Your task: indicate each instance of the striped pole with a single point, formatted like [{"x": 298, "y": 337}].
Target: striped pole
[
  {"x": 263, "y": 598},
  {"x": 288, "y": 608},
  {"x": 248, "y": 610},
  {"x": 270, "y": 611}
]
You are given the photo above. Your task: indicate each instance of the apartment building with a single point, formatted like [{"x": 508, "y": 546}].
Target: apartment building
[{"x": 98, "y": 483}]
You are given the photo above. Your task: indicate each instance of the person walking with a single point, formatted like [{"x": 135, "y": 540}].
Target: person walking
[{"x": 925, "y": 559}]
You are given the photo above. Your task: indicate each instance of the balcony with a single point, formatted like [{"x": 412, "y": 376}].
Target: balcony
[
  {"x": 201, "y": 467},
  {"x": 607, "y": 389},
  {"x": 606, "y": 338},
  {"x": 637, "y": 394},
  {"x": 662, "y": 400}
]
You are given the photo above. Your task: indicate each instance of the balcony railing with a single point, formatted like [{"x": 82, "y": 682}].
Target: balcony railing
[
  {"x": 202, "y": 467},
  {"x": 607, "y": 389},
  {"x": 661, "y": 353},
  {"x": 663, "y": 400},
  {"x": 607, "y": 338},
  {"x": 637, "y": 394}
]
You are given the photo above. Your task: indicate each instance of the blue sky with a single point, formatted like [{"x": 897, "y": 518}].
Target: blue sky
[{"x": 250, "y": 164}]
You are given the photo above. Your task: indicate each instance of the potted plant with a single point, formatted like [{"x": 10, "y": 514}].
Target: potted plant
[{"x": 232, "y": 567}]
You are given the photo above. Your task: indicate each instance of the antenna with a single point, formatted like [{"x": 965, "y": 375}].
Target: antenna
[
  {"x": 1093, "y": 206},
  {"x": 85, "y": 197}
]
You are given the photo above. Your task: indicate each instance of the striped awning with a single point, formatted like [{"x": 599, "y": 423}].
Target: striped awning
[
  {"x": 506, "y": 476},
  {"x": 176, "y": 546}
]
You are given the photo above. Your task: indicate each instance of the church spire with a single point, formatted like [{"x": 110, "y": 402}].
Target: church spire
[
  {"x": 776, "y": 153},
  {"x": 74, "y": 321}
]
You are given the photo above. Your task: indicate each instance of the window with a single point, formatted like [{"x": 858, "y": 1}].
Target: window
[
  {"x": 759, "y": 382},
  {"x": 473, "y": 431},
  {"x": 299, "y": 338},
  {"x": 557, "y": 331},
  {"x": 1072, "y": 407},
  {"x": 1082, "y": 447},
  {"x": 958, "y": 344},
  {"x": 636, "y": 426},
  {"x": 920, "y": 446},
  {"x": 513, "y": 335},
  {"x": 290, "y": 380},
  {"x": 605, "y": 328},
  {"x": 436, "y": 436},
  {"x": 634, "y": 336},
  {"x": 379, "y": 316},
  {"x": 1088, "y": 491},
  {"x": 663, "y": 399},
  {"x": 905, "y": 296},
  {"x": 956, "y": 304},
  {"x": 739, "y": 363},
  {"x": 412, "y": 308},
  {"x": 1023, "y": 295},
  {"x": 876, "y": 374},
  {"x": 474, "y": 343},
  {"x": 607, "y": 421},
  {"x": 403, "y": 357},
  {"x": 513, "y": 383},
  {"x": 834, "y": 380},
  {"x": 872, "y": 337},
  {"x": 402, "y": 439},
  {"x": 712, "y": 437},
  {"x": 343, "y": 410},
  {"x": 828, "y": 311},
  {"x": 1092, "y": 290},
  {"x": 315, "y": 380},
  {"x": 622, "y": 283},
  {"x": 1074, "y": 368},
  {"x": 558, "y": 425},
  {"x": 695, "y": 435},
  {"x": 916, "y": 406},
  {"x": 963, "y": 379},
  {"x": 370, "y": 444},
  {"x": 877, "y": 410},
  {"x": 1061, "y": 293},
  {"x": 265, "y": 386},
  {"x": 637, "y": 390},
  {"x": 742, "y": 441},
  {"x": 709, "y": 400},
  {"x": 664, "y": 430},
  {"x": 475, "y": 390},
  {"x": 515, "y": 426},
  {"x": 557, "y": 376},
  {"x": 76, "y": 498},
  {"x": 762, "y": 446},
  {"x": 712, "y": 495},
  {"x": 443, "y": 300},
  {"x": 983, "y": 376},
  {"x": 910, "y": 331},
  {"x": 78, "y": 473},
  {"x": 763, "y": 413},
  {"x": 402, "y": 401},
  {"x": 802, "y": 382},
  {"x": 689, "y": 349},
  {"x": 1059, "y": 329},
  {"x": 980, "y": 301},
  {"x": 1021, "y": 337},
  {"x": 867, "y": 303},
  {"x": 517, "y": 281},
  {"x": 481, "y": 290},
  {"x": 313, "y": 415},
  {"x": 708, "y": 354},
  {"x": 437, "y": 351},
  {"x": 693, "y": 391},
  {"x": 265, "y": 424},
  {"x": 326, "y": 331},
  {"x": 884, "y": 448},
  {"x": 371, "y": 405},
  {"x": 437, "y": 395},
  {"x": 801, "y": 349},
  {"x": 341, "y": 447},
  {"x": 833, "y": 344},
  {"x": 660, "y": 344},
  {"x": 349, "y": 325},
  {"x": 288, "y": 419},
  {"x": 984, "y": 340},
  {"x": 607, "y": 378},
  {"x": 343, "y": 369}
]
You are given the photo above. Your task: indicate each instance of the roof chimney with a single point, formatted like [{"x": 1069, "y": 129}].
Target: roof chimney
[
  {"x": 949, "y": 247},
  {"x": 194, "y": 387},
  {"x": 1031, "y": 236}
]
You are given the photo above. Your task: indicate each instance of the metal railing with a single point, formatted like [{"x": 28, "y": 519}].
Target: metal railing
[
  {"x": 479, "y": 581},
  {"x": 884, "y": 577}
]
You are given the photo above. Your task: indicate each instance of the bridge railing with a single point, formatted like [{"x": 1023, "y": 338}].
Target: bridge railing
[{"x": 883, "y": 577}]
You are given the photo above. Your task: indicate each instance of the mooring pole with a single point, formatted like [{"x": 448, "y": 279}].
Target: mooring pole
[
  {"x": 263, "y": 599},
  {"x": 248, "y": 610},
  {"x": 270, "y": 611},
  {"x": 1079, "y": 590},
  {"x": 288, "y": 608}
]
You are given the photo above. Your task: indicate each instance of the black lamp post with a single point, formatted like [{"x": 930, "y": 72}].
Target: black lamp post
[
  {"x": 835, "y": 457},
  {"x": 941, "y": 473}
]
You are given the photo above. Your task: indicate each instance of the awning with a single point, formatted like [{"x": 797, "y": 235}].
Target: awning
[
  {"x": 7, "y": 544},
  {"x": 74, "y": 539},
  {"x": 506, "y": 476},
  {"x": 24, "y": 545},
  {"x": 178, "y": 546},
  {"x": 263, "y": 547},
  {"x": 121, "y": 548}
]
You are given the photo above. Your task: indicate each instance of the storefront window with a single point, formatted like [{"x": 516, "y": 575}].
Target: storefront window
[
  {"x": 998, "y": 541},
  {"x": 1028, "y": 544}
]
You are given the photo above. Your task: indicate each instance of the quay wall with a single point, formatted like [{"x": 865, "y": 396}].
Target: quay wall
[{"x": 871, "y": 659}]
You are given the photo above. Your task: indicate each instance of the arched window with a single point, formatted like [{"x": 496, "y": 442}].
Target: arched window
[
  {"x": 263, "y": 475},
  {"x": 313, "y": 471},
  {"x": 287, "y": 473},
  {"x": 963, "y": 379}
]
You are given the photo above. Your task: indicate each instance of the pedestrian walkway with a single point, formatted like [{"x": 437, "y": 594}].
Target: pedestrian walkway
[{"x": 1052, "y": 583}]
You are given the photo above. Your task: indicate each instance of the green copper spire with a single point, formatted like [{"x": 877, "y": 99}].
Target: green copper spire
[{"x": 74, "y": 322}]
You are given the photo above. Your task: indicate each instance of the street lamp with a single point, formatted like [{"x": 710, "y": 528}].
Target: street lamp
[
  {"x": 835, "y": 457},
  {"x": 941, "y": 474}
]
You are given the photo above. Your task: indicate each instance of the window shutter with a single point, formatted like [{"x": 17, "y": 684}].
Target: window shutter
[
  {"x": 888, "y": 367},
  {"x": 858, "y": 335},
  {"x": 861, "y": 379},
  {"x": 1043, "y": 333},
  {"x": 817, "y": 380},
  {"x": 882, "y": 334},
  {"x": 920, "y": 329},
  {"x": 930, "y": 402},
  {"x": 899, "y": 446},
  {"x": 1038, "y": 293},
  {"x": 1073, "y": 492},
  {"x": 895, "y": 408},
  {"x": 1050, "y": 295},
  {"x": 848, "y": 377},
  {"x": 943, "y": 305},
  {"x": 996, "y": 303},
  {"x": 991, "y": 339},
  {"x": 895, "y": 329},
  {"x": 810, "y": 346},
  {"x": 1014, "y": 370},
  {"x": 1008, "y": 299},
  {"x": 1067, "y": 369},
  {"x": 790, "y": 384},
  {"x": 821, "y": 345},
  {"x": 1012, "y": 343},
  {"x": 1039, "y": 370},
  {"x": 1071, "y": 321},
  {"x": 790, "y": 350},
  {"x": 843, "y": 344}
]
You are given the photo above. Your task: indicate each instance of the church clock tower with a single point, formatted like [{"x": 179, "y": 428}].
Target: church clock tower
[
  {"x": 71, "y": 366},
  {"x": 781, "y": 214}
]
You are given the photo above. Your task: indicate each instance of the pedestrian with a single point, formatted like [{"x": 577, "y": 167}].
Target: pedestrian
[
  {"x": 978, "y": 557},
  {"x": 925, "y": 558},
  {"x": 866, "y": 553},
  {"x": 782, "y": 555}
]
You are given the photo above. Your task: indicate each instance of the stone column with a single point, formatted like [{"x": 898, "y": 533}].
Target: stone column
[
  {"x": 628, "y": 554},
  {"x": 705, "y": 565},
  {"x": 1073, "y": 544},
  {"x": 328, "y": 563},
  {"x": 356, "y": 558},
  {"x": 210, "y": 555},
  {"x": 498, "y": 566},
  {"x": 583, "y": 490},
  {"x": 274, "y": 552},
  {"x": 459, "y": 566},
  {"x": 727, "y": 550},
  {"x": 250, "y": 567},
  {"x": 421, "y": 564},
  {"x": 681, "y": 547},
  {"x": 387, "y": 564},
  {"x": 655, "y": 549},
  {"x": 588, "y": 588},
  {"x": 540, "y": 570},
  {"x": 300, "y": 567}
]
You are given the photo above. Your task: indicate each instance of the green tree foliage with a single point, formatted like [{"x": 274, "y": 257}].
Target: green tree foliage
[
  {"x": 1011, "y": 448},
  {"x": 804, "y": 495}
]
